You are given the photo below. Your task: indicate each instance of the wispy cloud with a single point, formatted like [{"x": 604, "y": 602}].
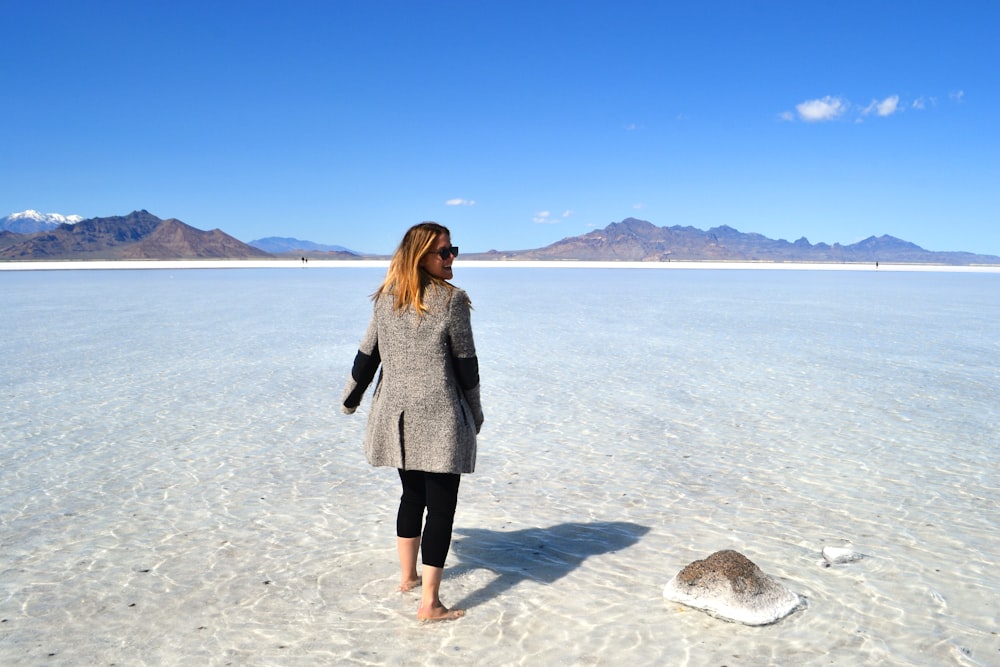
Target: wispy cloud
[
  {"x": 546, "y": 217},
  {"x": 886, "y": 107},
  {"x": 460, "y": 202},
  {"x": 817, "y": 111},
  {"x": 834, "y": 107}
]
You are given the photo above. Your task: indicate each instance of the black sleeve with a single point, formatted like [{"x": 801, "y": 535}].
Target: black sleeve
[{"x": 363, "y": 372}]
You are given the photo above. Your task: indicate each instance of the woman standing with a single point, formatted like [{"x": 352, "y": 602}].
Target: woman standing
[{"x": 425, "y": 411}]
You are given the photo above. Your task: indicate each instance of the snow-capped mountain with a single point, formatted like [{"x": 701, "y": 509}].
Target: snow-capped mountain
[{"x": 31, "y": 221}]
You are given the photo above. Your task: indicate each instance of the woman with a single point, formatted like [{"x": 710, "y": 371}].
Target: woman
[{"x": 425, "y": 411}]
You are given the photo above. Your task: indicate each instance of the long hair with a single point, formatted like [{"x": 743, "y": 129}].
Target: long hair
[{"x": 405, "y": 279}]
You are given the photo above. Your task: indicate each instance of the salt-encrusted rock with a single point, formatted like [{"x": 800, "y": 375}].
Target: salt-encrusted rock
[
  {"x": 729, "y": 586},
  {"x": 839, "y": 555}
]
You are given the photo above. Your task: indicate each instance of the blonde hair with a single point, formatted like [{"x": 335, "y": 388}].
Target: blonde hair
[{"x": 405, "y": 279}]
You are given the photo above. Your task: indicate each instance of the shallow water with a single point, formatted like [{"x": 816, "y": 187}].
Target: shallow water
[{"x": 178, "y": 485}]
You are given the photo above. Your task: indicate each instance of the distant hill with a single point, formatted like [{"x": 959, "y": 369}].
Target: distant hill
[
  {"x": 30, "y": 221},
  {"x": 639, "y": 240},
  {"x": 280, "y": 245},
  {"x": 138, "y": 235}
]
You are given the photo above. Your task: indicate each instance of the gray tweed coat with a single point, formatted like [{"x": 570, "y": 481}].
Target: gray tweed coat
[{"x": 425, "y": 411}]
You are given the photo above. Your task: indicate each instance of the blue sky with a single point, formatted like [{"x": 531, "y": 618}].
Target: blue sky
[{"x": 514, "y": 123}]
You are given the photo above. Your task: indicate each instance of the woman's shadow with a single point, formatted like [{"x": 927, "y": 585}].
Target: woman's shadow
[{"x": 536, "y": 554}]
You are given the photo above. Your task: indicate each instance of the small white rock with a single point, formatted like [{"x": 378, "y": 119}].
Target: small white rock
[{"x": 840, "y": 555}]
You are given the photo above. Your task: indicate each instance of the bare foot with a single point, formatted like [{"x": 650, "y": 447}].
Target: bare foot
[
  {"x": 438, "y": 613},
  {"x": 409, "y": 585}
]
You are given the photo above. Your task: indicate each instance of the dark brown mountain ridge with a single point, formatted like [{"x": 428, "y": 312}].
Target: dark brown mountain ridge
[
  {"x": 641, "y": 241},
  {"x": 138, "y": 235}
]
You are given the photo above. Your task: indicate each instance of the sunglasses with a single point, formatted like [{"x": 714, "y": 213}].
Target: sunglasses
[{"x": 445, "y": 253}]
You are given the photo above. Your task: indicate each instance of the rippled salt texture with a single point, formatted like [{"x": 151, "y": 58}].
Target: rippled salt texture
[{"x": 177, "y": 485}]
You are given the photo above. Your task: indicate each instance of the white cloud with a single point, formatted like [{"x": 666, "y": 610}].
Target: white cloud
[
  {"x": 831, "y": 108},
  {"x": 886, "y": 107},
  {"x": 828, "y": 108},
  {"x": 460, "y": 202},
  {"x": 546, "y": 217},
  {"x": 958, "y": 95},
  {"x": 638, "y": 207}
]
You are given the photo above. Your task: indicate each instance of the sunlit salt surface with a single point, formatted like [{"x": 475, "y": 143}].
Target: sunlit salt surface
[{"x": 178, "y": 486}]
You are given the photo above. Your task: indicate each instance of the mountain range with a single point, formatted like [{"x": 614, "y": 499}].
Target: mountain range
[
  {"x": 142, "y": 235},
  {"x": 138, "y": 235},
  {"x": 642, "y": 241},
  {"x": 281, "y": 245}
]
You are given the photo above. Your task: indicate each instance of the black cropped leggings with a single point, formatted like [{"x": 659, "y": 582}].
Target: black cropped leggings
[{"x": 438, "y": 494}]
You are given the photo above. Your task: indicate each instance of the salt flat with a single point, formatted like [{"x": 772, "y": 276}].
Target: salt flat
[{"x": 178, "y": 486}]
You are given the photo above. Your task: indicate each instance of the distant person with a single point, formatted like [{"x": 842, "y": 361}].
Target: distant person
[{"x": 425, "y": 412}]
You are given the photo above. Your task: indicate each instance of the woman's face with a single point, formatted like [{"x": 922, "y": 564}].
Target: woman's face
[{"x": 434, "y": 264}]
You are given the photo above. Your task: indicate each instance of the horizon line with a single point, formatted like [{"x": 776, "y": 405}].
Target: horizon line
[{"x": 161, "y": 264}]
